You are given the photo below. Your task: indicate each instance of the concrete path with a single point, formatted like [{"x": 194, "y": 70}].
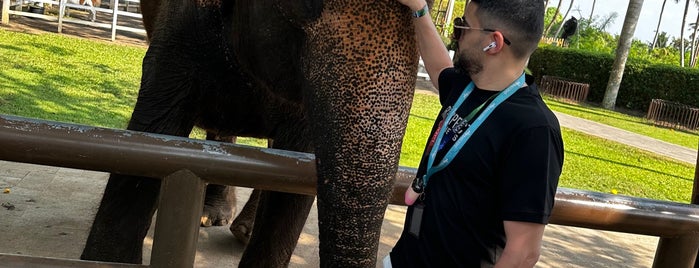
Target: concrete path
[{"x": 677, "y": 152}]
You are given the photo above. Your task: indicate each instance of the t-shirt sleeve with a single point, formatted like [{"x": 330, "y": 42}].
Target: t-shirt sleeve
[{"x": 530, "y": 175}]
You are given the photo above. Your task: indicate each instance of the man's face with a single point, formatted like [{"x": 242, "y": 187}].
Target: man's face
[{"x": 470, "y": 54}]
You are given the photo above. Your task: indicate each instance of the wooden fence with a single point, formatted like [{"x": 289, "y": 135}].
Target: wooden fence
[
  {"x": 182, "y": 162},
  {"x": 564, "y": 88},
  {"x": 28, "y": 8},
  {"x": 559, "y": 42},
  {"x": 673, "y": 114}
]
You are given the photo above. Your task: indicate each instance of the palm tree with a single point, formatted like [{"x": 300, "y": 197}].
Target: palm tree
[
  {"x": 622, "y": 53},
  {"x": 564, "y": 18},
  {"x": 555, "y": 14},
  {"x": 657, "y": 29},
  {"x": 593, "y": 10},
  {"x": 693, "y": 55},
  {"x": 684, "y": 21},
  {"x": 662, "y": 41}
]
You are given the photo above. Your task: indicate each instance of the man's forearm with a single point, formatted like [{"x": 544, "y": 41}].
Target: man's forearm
[{"x": 432, "y": 50}]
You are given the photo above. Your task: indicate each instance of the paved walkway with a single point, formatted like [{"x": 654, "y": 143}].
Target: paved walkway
[{"x": 673, "y": 151}]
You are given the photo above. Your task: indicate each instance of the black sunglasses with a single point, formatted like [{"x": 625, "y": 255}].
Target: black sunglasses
[{"x": 460, "y": 23}]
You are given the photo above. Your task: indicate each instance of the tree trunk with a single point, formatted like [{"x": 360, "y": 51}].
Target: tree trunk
[
  {"x": 622, "y": 53},
  {"x": 657, "y": 29},
  {"x": 553, "y": 20},
  {"x": 564, "y": 18},
  {"x": 693, "y": 55},
  {"x": 594, "y": 2},
  {"x": 684, "y": 21}
]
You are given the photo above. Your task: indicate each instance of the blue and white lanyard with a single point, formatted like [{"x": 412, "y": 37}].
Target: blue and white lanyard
[{"x": 502, "y": 96}]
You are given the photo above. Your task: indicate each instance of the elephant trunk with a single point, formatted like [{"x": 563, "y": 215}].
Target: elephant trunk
[{"x": 360, "y": 63}]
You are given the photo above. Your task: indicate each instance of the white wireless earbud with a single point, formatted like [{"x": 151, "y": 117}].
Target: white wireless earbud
[{"x": 492, "y": 45}]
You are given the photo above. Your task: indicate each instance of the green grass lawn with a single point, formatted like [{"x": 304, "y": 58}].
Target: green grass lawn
[
  {"x": 640, "y": 125},
  {"x": 66, "y": 79}
]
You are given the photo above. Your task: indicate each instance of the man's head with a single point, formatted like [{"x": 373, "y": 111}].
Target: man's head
[{"x": 487, "y": 24}]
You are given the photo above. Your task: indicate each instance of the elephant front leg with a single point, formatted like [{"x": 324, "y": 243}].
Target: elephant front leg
[
  {"x": 220, "y": 200},
  {"x": 122, "y": 220},
  {"x": 278, "y": 223},
  {"x": 219, "y": 205},
  {"x": 361, "y": 65},
  {"x": 243, "y": 224}
]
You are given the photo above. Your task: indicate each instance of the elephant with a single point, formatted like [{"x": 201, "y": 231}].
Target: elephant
[{"x": 334, "y": 78}]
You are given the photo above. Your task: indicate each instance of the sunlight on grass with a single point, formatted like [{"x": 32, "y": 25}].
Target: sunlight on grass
[
  {"x": 640, "y": 125},
  {"x": 67, "y": 79}
]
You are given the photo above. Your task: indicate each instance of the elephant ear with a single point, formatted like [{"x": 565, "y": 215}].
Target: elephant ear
[{"x": 300, "y": 12}]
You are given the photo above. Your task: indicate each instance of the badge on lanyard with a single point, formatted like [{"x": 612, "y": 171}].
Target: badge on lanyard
[{"x": 416, "y": 220}]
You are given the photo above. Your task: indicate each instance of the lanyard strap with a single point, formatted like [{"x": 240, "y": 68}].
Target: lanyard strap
[{"x": 501, "y": 97}]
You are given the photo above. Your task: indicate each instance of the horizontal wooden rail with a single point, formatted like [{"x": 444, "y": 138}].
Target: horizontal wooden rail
[
  {"x": 152, "y": 155},
  {"x": 145, "y": 154},
  {"x": 21, "y": 261}
]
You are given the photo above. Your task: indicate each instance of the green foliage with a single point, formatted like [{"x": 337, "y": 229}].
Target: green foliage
[
  {"x": 591, "y": 38},
  {"x": 642, "y": 80},
  {"x": 443, "y": 26},
  {"x": 551, "y": 15}
]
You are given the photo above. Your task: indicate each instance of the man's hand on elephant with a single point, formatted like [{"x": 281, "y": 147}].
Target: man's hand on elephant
[{"x": 414, "y": 5}]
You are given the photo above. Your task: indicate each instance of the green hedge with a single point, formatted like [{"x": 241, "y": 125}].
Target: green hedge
[{"x": 642, "y": 81}]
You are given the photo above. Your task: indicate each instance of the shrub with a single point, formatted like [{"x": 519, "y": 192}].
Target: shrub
[{"x": 642, "y": 81}]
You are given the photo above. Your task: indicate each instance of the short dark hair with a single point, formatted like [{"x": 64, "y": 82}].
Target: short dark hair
[{"x": 522, "y": 21}]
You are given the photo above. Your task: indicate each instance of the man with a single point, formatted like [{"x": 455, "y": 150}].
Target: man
[{"x": 486, "y": 184}]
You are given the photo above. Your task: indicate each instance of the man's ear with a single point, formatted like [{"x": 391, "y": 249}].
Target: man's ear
[{"x": 496, "y": 44}]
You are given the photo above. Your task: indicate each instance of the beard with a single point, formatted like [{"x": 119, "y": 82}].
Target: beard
[{"x": 469, "y": 63}]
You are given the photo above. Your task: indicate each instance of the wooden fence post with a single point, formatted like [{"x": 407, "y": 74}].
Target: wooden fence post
[
  {"x": 680, "y": 251},
  {"x": 5, "y": 11},
  {"x": 177, "y": 222}
]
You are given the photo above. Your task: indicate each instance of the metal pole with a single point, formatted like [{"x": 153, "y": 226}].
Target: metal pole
[{"x": 177, "y": 223}]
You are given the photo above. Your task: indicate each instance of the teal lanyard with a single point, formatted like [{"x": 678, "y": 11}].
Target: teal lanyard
[{"x": 501, "y": 97}]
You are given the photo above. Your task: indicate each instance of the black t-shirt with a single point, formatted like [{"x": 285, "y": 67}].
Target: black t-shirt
[{"x": 507, "y": 171}]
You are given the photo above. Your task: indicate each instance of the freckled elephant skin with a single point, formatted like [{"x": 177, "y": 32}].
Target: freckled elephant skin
[
  {"x": 334, "y": 78},
  {"x": 360, "y": 63}
]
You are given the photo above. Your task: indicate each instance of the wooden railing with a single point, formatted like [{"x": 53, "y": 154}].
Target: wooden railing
[{"x": 183, "y": 162}]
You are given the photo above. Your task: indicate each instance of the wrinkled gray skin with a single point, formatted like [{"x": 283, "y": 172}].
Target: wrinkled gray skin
[{"x": 334, "y": 78}]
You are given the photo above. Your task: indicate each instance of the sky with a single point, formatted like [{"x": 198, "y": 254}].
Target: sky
[{"x": 648, "y": 20}]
